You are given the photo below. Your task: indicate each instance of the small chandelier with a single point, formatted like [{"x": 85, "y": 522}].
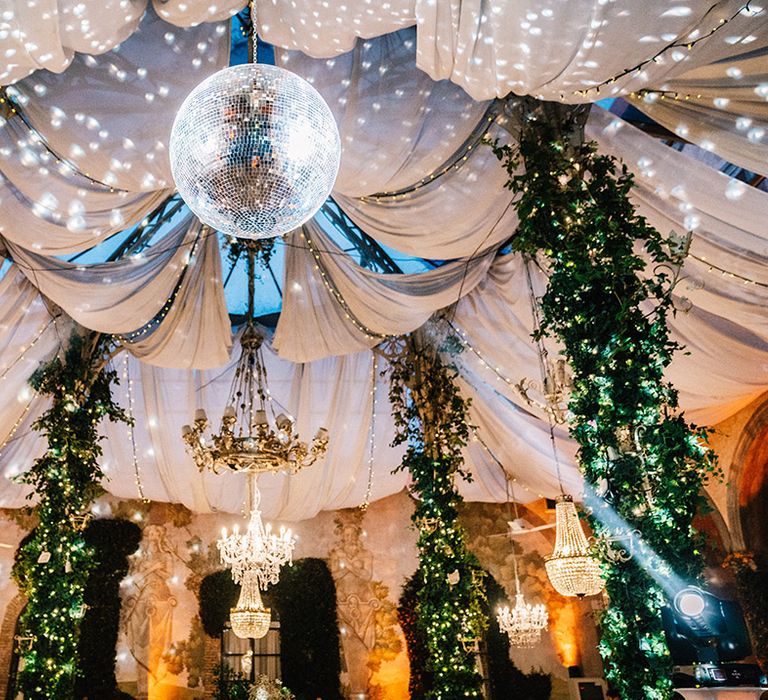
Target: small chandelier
[
  {"x": 525, "y": 622},
  {"x": 255, "y": 559},
  {"x": 571, "y": 568},
  {"x": 250, "y": 619},
  {"x": 246, "y": 442}
]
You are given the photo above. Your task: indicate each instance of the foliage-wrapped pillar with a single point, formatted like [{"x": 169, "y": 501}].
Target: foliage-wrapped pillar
[
  {"x": 430, "y": 415},
  {"x": 607, "y": 301},
  {"x": 53, "y": 564}
]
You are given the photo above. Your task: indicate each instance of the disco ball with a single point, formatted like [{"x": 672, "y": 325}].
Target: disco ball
[{"x": 254, "y": 151}]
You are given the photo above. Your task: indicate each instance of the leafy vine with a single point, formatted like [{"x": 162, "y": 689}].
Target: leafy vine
[
  {"x": 53, "y": 565},
  {"x": 608, "y": 299},
  {"x": 430, "y": 415}
]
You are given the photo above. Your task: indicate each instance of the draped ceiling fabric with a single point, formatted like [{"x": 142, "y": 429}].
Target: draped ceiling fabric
[{"x": 91, "y": 160}]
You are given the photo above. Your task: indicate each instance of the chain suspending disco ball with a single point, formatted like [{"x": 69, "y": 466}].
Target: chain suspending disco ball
[{"x": 254, "y": 151}]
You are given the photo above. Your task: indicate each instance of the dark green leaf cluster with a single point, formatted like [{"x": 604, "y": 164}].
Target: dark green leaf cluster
[
  {"x": 53, "y": 566},
  {"x": 608, "y": 299},
  {"x": 431, "y": 416}
]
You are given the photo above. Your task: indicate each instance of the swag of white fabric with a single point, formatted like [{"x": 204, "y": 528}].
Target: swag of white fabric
[{"x": 332, "y": 306}]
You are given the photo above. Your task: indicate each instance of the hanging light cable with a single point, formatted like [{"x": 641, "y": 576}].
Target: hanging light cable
[{"x": 571, "y": 568}]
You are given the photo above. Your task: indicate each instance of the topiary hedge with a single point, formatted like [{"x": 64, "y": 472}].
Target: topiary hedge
[{"x": 113, "y": 541}]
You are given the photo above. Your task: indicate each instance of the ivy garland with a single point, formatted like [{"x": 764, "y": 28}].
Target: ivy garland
[
  {"x": 430, "y": 415},
  {"x": 607, "y": 301},
  {"x": 53, "y": 566}
]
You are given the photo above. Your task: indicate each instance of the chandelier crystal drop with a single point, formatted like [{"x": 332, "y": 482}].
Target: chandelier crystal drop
[
  {"x": 571, "y": 568},
  {"x": 254, "y": 151},
  {"x": 524, "y": 623}
]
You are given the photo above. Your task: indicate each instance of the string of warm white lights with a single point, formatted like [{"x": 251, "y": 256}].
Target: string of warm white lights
[
  {"x": 348, "y": 314},
  {"x": 132, "y": 431},
  {"x": 453, "y": 163},
  {"x": 461, "y": 336},
  {"x": 711, "y": 267},
  {"x": 16, "y": 425},
  {"x": 372, "y": 440},
  {"x": 152, "y": 325},
  {"x": 15, "y": 101},
  {"x": 24, "y": 349},
  {"x": 507, "y": 476},
  {"x": 688, "y": 44}
]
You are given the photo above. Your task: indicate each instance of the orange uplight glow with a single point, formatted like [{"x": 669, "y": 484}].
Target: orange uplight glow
[{"x": 563, "y": 627}]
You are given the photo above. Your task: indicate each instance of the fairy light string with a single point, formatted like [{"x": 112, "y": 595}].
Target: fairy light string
[
  {"x": 319, "y": 266},
  {"x": 14, "y": 101},
  {"x": 372, "y": 439},
  {"x": 130, "y": 427},
  {"x": 687, "y": 44},
  {"x": 455, "y": 162}
]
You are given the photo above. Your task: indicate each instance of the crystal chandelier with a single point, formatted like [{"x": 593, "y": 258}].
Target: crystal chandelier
[
  {"x": 525, "y": 622},
  {"x": 246, "y": 441},
  {"x": 254, "y": 149},
  {"x": 258, "y": 552},
  {"x": 255, "y": 558},
  {"x": 571, "y": 568}
]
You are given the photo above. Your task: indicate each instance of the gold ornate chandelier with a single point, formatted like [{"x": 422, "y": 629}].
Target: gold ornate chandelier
[
  {"x": 246, "y": 442},
  {"x": 571, "y": 568}
]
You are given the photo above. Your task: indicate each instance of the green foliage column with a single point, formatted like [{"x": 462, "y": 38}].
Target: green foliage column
[
  {"x": 430, "y": 415},
  {"x": 607, "y": 301},
  {"x": 52, "y": 567}
]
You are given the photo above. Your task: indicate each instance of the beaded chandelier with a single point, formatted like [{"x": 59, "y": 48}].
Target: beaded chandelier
[
  {"x": 524, "y": 623},
  {"x": 571, "y": 568}
]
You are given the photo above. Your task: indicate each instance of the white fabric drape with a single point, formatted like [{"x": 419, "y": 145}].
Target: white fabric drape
[
  {"x": 492, "y": 47},
  {"x": 196, "y": 331},
  {"x": 554, "y": 51},
  {"x": 397, "y": 128},
  {"x": 721, "y": 108},
  {"x": 45, "y": 34},
  {"x": 29, "y": 336},
  {"x": 313, "y": 323},
  {"x": 113, "y": 297},
  {"x": 187, "y": 13},
  {"x": 111, "y": 115},
  {"x": 48, "y": 207}
]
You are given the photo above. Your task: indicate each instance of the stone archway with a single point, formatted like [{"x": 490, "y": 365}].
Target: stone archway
[
  {"x": 7, "y": 633},
  {"x": 748, "y": 485}
]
